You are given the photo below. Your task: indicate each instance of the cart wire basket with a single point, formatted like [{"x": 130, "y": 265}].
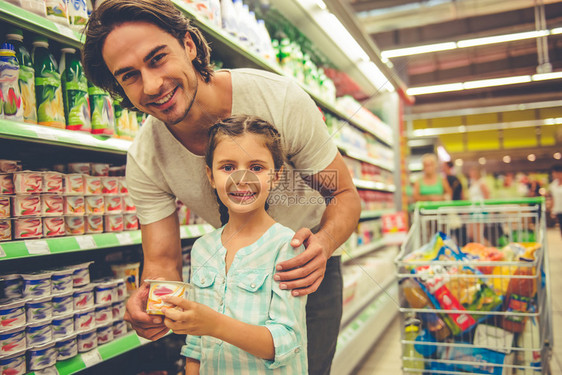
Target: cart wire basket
[{"x": 474, "y": 289}]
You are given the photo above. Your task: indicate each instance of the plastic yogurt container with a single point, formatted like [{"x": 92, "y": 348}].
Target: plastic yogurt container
[
  {"x": 12, "y": 315},
  {"x": 81, "y": 274},
  {"x": 128, "y": 272},
  {"x": 51, "y": 205},
  {"x": 5, "y": 207},
  {"x": 62, "y": 280},
  {"x": 39, "y": 333},
  {"x": 12, "y": 285},
  {"x": 12, "y": 341},
  {"x": 95, "y": 205},
  {"x": 92, "y": 185},
  {"x": 83, "y": 297},
  {"x": 41, "y": 357},
  {"x": 121, "y": 290},
  {"x": 106, "y": 291},
  {"x": 63, "y": 325},
  {"x": 52, "y": 182},
  {"x": 119, "y": 328},
  {"x": 74, "y": 184},
  {"x": 27, "y": 228},
  {"x": 159, "y": 289},
  {"x": 13, "y": 364},
  {"x": 74, "y": 205},
  {"x": 118, "y": 310},
  {"x": 87, "y": 340},
  {"x": 94, "y": 224},
  {"x": 38, "y": 309},
  {"x": 5, "y": 229},
  {"x": 104, "y": 314},
  {"x": 84, "y": 320},
  {"x": 75, "y": 225},
  {"x": 26, "y": 205},
  {"x": 63, "y": 303},
  {"x": 53, "y": 227},
  {"x": 67, "y": 347},
  {"x": 105, "y": 333},
  {"x": 36, "y": 284}
]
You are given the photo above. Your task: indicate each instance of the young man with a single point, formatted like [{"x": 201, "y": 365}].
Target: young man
[
  {"x": 555, "y": 191},
  {"x": 147, "y": 53}
]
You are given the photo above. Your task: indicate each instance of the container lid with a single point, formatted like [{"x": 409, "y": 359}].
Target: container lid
[
  {"x": 81, "y": 265},
  {"x": 11, "y": 276},
  {"x": 40, "y": 39},
  {"x": 103, "y": 306},
  {"x": 106, "y": 284},
  {"x": 119, "y": 321},
  {"x": 68, "y": 50},
  {"x": 85, "y": 288},
  {"x": 44, "y": 322},
  {"x": 13, "y": 305},
  {"x": 67, "y": 315},
  {"x": 14, "y": 355},
  {"x": 65, "y": 271},
  {"x": 104, "y": 326},
  {"x": 63, "y": 295},
  {"x": 167, "y": 282},
  {"x": 84, "y": 311},
  {"x": 36, "y": 275},
  {"x": 71, "y": 336},
  {"x": 12, "y": 330},
  {"x": 48, "y": 345},
  {"x": 87, "y": 332},
  {"x": 38, "y": 300}
]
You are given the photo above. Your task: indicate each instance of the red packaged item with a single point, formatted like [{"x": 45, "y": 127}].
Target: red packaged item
[
  {"x": 6, "y": 184},
  {"x": 130, "y": 222},
  {"x": 520, "y": 295},
  {"x": 29, "y": 227},
  {"x": 95, "y": 204},
  {"x": 94, "y": 224},
  {"x": 74, "y": 205},
  {"x": 83, "y": 168},
  {"x": 28, "y": 182},
  {"x": 123, "y": 189},
  {"x": 113, "y": 223},
  {"x": 100, "y": 169},
  {"x": 51, "y": 205},
  {"x": 53, "y": 226},
  {"x": 26, "y": 205},
  {"x": 5, "y": 229},
  {"x": 128, "y": 205},
  {"x": 5, "y": 207},
  {"x": 92, "y": 185},
  {"x": 74, "y": 184},
  {"x": 74, "y": 225},
  {"x": 113, "y": 204},
  {"x": 52, "y": 183},
  {"x": 10, "y": 166},
  {"x": 109, "y": 185}
]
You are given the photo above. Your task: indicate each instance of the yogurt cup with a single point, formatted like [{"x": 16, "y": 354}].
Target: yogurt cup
[
  {"x": 119, "y": 328},
  {"x": 6, "y": 183},
  {"x": 26, "y": 205},
  {"x": 75, "y": 225},
  {"x": 81, "y": 274},
  {"x": 113, "y": 204},
  {"x": 41, "y": 357},
  {"x": 5, "y": 207},
  {"x": 113, "y": 223},
  {"x": 105, "y": 291},
  {"x": 38, "y": 333},
  {"x": 123, "y": 188},
  {"x": 118, "y": 310},
  {"x": 104, "y": 314},
  {"x": 28, "y": 182},
  {"x": 52, "y": 183},
  {"x": 74, "y": 205},
  {"x": 104, "y": 333},
  {"x": 94, "y": 224},
  {"x": 13, "y": 364},
  {"x": 87, "y": 340},
  {"x": 51, "y": 205},
  {"x": 63, "y": 303},
  {"x": 84, "y": 320},
  {"x": 5, "y": 229},
  {"x": 67, "y": 347},
  {"x": 100, "y": 169},
  {"x": 121, "y": 290},
  {"x": 12, "y": 285},
  {"x": 12, "y": 315},
  {"x": 37, "y": 284},
  {"x": 74, "y": 184},
  {"x": 10, "y": 166},
  {"x": 27, "y": 228},
  {"x": 63, "y": 325},
  {"x": 92, "y": 185},
  {"x": 110, "y": 185},
  {"x": 95, "y": 205},
  {"x": 160, "y": 289},
  {"x": 130, "y": 222},
  {"x": 62, "y": 280},
  {"x": 129, "y": 272},
  {"x": 53, "y": 227},
  {"x": 82, "y": 168},
  {"x": 12, "y": 341},
  {"x": 128, "y": 205},
  {"x": 83, "y": 297},
  {"x": 39, "y": 309}
]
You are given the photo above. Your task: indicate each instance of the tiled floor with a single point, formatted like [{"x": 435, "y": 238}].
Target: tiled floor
[{"x": 384, "y": 358}]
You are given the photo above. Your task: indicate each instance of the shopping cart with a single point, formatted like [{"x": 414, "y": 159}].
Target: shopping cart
[{"x": 482, "y": 307}]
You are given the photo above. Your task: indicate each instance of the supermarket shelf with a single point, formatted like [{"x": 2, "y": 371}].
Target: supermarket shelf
[
  {"x": 372, "y": 185},
  {"x": 349, "y": 314},
  {"x": 357, "y": 338},
  {"x": 349, "y": 152},
  {"x": 61, "y": 137},
  {"x": 33, "y": 22},
  {"x": 362, "y": 250},
  {"x": 373, "y": 214},
  {"x": 48, "y": 246}
]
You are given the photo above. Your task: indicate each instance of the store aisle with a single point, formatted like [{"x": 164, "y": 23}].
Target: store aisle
[{"x": 384, "y": 357}]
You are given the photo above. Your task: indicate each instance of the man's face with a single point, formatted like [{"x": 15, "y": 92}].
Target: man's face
[{"x": 153, "y": 68}]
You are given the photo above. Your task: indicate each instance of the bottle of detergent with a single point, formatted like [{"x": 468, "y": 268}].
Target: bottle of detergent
[
  {"x": 9, "y": 87},
  {"x": 75, "y": 89}
]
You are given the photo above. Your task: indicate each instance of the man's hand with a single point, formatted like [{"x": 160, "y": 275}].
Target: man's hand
[
  {"x": 190, "y": 318},
  {"x": 147, "y": 326},
  {"x": 304, "y": 273}
]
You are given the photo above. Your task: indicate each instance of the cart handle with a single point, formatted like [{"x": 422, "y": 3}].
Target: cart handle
[{"x": 489, "y": 202}]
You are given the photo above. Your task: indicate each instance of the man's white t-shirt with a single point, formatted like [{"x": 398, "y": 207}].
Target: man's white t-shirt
[
  {"x": 556, "y": 192},
  {"x": 160, "y": 169}
]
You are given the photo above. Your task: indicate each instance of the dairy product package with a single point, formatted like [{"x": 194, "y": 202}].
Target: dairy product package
[
  {"x": 74, "y": 225},
  {"x": 77, "y": 13},
  {"x": 113, "y": 223},
  {"x": 101, "y": 107},
  {"x": 94, "y": 224},
  {"x": 28, "y": 182},
  {"x": 10, "y": 97},
  {"x": 75, "y": 88},
  {"x": 26, "y": 205},
  {"x": 5, "y": 206},
  {"x": 5, "y": 229},
  {"x": 53, "y": 226},
  {"x": 74, "y": 205},
  {"x": 57, "y": 10},
  {"x": 159, "y": 289},
  {"x": 52, "y": 183},
  {"x": 74, "y": 184},
  {"x": 95, "y": 205},
  {"x": 92, "y": 185},
  {"x": 51, "y": 205},
  {"x": 6, "y": 183}
]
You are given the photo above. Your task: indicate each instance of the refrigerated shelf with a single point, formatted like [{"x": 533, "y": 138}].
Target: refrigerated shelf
[
  {"x": 372, "y": 185},
  {"x": 362, "y": 250},
  {"x": 373, "y": 214}
]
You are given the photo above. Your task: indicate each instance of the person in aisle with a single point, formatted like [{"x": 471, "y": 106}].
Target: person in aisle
[
  {"x": 454, "y": 182},
  {"x": 478, "y": 190},
  {"x": 555, "y": 192},
  {"x": 234, "y": 297},
  {"x": 431, "y": 186},
  {"x": 147, "y": 53}
]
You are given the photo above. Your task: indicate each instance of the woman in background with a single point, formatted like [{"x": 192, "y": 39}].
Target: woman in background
[{"x": 431, "y": 186}]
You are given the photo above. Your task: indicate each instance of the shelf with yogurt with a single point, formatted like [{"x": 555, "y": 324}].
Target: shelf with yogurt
[
  {"x": 362, "y": 250},
  {"x": 381, "y": 288},
  {"x": 33, "y": 22},
  {"x": 48, "y": 246},
  {"x": 373, "y": 214},
  {"x": 372, "y": 185},
  {"x": 357, "y": 155}
]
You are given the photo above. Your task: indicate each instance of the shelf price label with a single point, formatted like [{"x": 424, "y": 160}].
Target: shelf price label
[
  {"x": 46, "y": 133},
  {"x": 2, "y": 252},
  {"x": 91, "y": 358},
  {"x": 37, "y": 247},
  {"x": 124, "y": 238},
  {"x": 86, "y": 242}
]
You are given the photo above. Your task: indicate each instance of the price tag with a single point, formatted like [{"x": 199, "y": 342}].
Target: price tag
[
  {"x": 37, "y": 247},
  {"x": 86, "y": 242},
  {"x": 48, "y": 371},
  {"x": 2, "y": 252},
  {"x": 66, "y": 31},
  {"x": 46, "y": 134},
  {"x": 91, "y": 358},
  {"x": 124, "y": 238},
  {"x": 184, "y": 233}
]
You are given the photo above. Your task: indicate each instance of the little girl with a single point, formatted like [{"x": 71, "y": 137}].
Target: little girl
[{"x": 238, "y": 320}]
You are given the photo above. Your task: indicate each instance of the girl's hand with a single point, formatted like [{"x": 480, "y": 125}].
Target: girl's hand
[{"x": 190, "y": 318}]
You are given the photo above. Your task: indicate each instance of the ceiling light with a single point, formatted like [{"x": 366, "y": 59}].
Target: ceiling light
[
  {"x": 339, "y": 34},
  {"x": 556, "y": 31},
  {"x": 482, "y": 161},
  {"x": 409, "y": 51},
  {"x": 501, "y": 38},
  {"x": 507, "y": 159},
  {"x": 443, "y": 154},
  {"x": 545, "y": 76},
  {"x": 459, "y": 162},
  {"x": 531, "y": 157},
  {"x": 435, "y": 89},
  {"x": 496, "y": 82},
  {"x": 557, "y": 156}
]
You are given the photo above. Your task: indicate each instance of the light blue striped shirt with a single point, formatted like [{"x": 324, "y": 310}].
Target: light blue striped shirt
[{"x": 249, "y": 294}]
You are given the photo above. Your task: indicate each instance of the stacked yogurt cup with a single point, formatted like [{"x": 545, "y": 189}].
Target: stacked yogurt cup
[{"x": 53, "y": 315}]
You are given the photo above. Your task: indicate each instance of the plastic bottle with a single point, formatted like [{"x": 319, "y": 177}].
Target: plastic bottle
[
  {"x": 75, "y": 90},
  {"x": 101, "y": 106},
  {"x": 48, "y": 88},
  {"x": 26, "y": 78},
  {"x": 266, "y": 49},
  {"x": 9, "y": 72},
  {"x": 57, "y": 10},
  {"x": 77, "y": 13},
  {"x": 241, "y": 33},
  {"x": 229, "y": 19},
  {"x": 411, "y": 358},
  {"x": 253, "y": 32},
  {"x": 519, "y": 296},
  {"x": 122, "y": 128},
  {"x": 215, "y": 12}
]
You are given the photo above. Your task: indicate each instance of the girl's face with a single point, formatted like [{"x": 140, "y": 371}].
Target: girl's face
[{"x": 243, "y": 172}]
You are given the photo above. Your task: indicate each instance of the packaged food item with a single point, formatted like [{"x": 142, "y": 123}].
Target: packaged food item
[
  {"x": 129, "y": 272},
  {"x": 12, "y": 285},
  {"x": 42, "y": 357},
  {"x": 84, "y": 319},
  {"x": 530, "y": 356},
  {"x": 48, "y": 87},
  {"x": 113, "y": 204},
  {"x": 100, "y": 169},
  {"x": 101, "y": 105},
  {"x": 110, "y": 185},
  {"x": 28, "y": 182},
  {"x": 77, "y": 14},
  {"x": 63, "y": 325},
  {"x": 123, "y": 189},
  {"x": 493, "y": 338},
  {"x": 105, "y": 292},
  {"x": 62, "y": 280},
  {"x": 74, "y": 225},
  {"x": 5, "y": 229},
  {"x": 5, "y": 207},
  {"x": 473, "y": 360},
  {"x": 128, "y": 205},
  {"x": 52, "y": 183},
  {"x": 121, "y": 121},
  {"x": 118, "y": 310},
  {"x": 53, "y": 227},
  {"x": 39, "y": 333},
  {"x": 26, "y": 77},
  {"x": 81, "y": 275},
  {"x": 38, "y": 309},
  {"x": 51, "y": 205},
  {"x": 159, "y": 289},
  {"x": 12, "y": 106},
  {"x": 520, "y": 296},
  {"x": 113, "y": 223},
  {"x": 95, "y": 205},
  {"x": 92, "y": 185},
  {"x": 6, "y": 183},
  {"x": 74, "y": 184},
  {"x": 130, "y": 222},
  {"x": 12, "y": 341},
  {"x": 104, "y": 314},
  {"x": 27, "y": 228},
  {"x": 12, "y": 315},
  {"x": 74, "y": 205},
  {"x": 10, "y": 166},
  {"x": 121, "y": 290},
  {"x": 105, "y": 333},
  {"x": 66, "y": 347},
  {"x": 119, "y": 328},
  {"x": 83, "y": 297},
  {"x": 87, "y": 340},
  {"x": 26, "y": 205},
  {"x": 13, "y": 364},
  {"x": 63, "y": 303},
  {"x": 57, "y": 10},
  {"x": 37, "y": 284},
  {"x": 79, "y": 168},
  {"x": 94, "y": 224}
]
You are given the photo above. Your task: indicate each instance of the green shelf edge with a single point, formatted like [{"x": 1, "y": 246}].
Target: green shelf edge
[
  {"x": 363, "y": 184},
  {"x": 376, "y": 213},
  {"x": 489, "y": 202}
]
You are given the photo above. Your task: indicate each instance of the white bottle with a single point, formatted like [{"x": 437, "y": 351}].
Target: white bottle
[
  {"x": 530, "y": 339},
  {"x": 266, "y": 49},
  {"x": 255, "y": 32},
  {"x": 241, "y": 24},
  {"x": 229, "y": 18},
  {"x": 215, "y": 12}
]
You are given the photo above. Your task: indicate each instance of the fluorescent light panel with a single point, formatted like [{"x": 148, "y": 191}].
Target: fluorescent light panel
[
  {"x": 501, "y": 38},
  {"x": 496, "y": 82},
  {"x": 435, "y": 89},
  {"x": 418, "y": 50}
]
